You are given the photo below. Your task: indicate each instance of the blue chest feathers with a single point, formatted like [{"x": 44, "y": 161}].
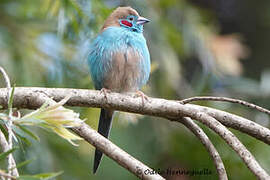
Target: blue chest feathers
[{"x": 119, "y": 60}]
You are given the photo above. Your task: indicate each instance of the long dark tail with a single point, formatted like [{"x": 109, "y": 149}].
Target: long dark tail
[{"x": 104, "y": 126}]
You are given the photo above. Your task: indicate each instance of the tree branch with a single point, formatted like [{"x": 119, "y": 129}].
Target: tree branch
[
  {"x": 107, "y": 147},
  {"x": 225, "y": 99},
  {"x": 114, "y": 152},
  {"x": 12, "y": 170},
  {"x": 30, "y": 98},
  {"x": 5, "y": 175},
  {"x": 7, "y": 81},
  {"x": 5, "y": 147},
  {"x": 234, "y": 142},
  {"x": 192, "y": 126},
  {"x": 236, "y": 122}
]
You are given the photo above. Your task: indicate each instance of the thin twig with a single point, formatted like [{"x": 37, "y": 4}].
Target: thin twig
[
  {"x": 5, "y": 175},
  {"x": 11, "y": 160},
  {"x": 7, "y": 81},
  {"x": 5, "y": 147},
  {"x": 232, "y": 141},
  {"x": 237, "y": 122},
  {"x": 118, "y": 155},
  {"x": 225, "y": 99},
  {"x": 29, "y": 97},
  {"x": 192, "y": 126}
]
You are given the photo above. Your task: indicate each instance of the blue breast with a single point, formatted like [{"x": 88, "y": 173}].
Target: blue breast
[{"x": 113, "y": 40}]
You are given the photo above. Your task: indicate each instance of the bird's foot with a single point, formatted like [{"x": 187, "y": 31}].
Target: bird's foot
[
  {"x": 143, "y": 96},
  {"x": 105, "y": 91}
]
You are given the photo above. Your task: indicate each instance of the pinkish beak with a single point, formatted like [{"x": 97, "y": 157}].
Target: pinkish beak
[{"x": 142, "y": 20}]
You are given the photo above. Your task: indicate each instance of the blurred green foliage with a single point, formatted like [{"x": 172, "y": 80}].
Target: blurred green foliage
[{"x": 196, "y": 48}]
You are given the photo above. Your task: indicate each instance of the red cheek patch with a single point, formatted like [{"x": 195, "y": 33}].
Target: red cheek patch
[{"x": 126, "y": 23}]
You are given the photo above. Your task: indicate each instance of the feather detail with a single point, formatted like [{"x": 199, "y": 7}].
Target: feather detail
[
  {"x": 109, "y": 53},
  {"x": 104, "y": 127}
]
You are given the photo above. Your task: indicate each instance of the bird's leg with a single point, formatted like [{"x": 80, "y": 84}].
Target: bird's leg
[
  {"x": 105, "y": 91},
  {"x": 142, "y": 95}
]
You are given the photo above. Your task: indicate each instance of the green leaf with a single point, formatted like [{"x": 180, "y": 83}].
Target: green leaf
[
  {"x": 29, "y": 121},
  {"x": 44, "y": 105},
  {"x": 28, "y": 177},
  {"x": 24, "y": 139},
  {"x": 24, "y": 163},
  {"x": 3, "y": 129},
  {"x": 47, "y": 176},
  {"x": 76, "y": 5},
  {"x": 10, "y": 101},
  {"x": 43, "y": 176},
  {"x": 18, "y": 131},
  {"x": 5, "y": 154},
  {"x": 28, "y": 132}
]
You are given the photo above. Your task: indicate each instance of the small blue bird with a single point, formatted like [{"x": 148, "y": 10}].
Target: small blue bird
[{"x": 119, "y": 61}]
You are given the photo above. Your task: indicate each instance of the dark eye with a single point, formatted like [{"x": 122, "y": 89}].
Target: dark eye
[{"x": 131, "y": 18}]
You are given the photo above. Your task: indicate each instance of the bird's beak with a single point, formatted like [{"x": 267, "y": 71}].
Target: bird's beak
[{"x": 142, "y": 20}]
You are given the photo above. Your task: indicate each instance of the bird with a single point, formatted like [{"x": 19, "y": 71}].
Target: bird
[{"x": 119, "y": 61}]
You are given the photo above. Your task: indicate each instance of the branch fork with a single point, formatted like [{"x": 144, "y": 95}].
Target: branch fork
[{"x": 217, "y": 120}]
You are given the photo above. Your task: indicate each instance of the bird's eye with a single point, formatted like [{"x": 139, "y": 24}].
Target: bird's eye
[{"x": 131, "y": 18}]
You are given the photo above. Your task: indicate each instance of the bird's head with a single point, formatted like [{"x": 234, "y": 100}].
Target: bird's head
[{"x": 126, "y": 17}]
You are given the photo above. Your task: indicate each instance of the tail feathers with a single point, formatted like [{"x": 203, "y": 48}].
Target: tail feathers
[{"x": 104, "y": 126}]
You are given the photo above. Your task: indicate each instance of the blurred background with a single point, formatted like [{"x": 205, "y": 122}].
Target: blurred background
[{"x": 197, "y": 47}]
